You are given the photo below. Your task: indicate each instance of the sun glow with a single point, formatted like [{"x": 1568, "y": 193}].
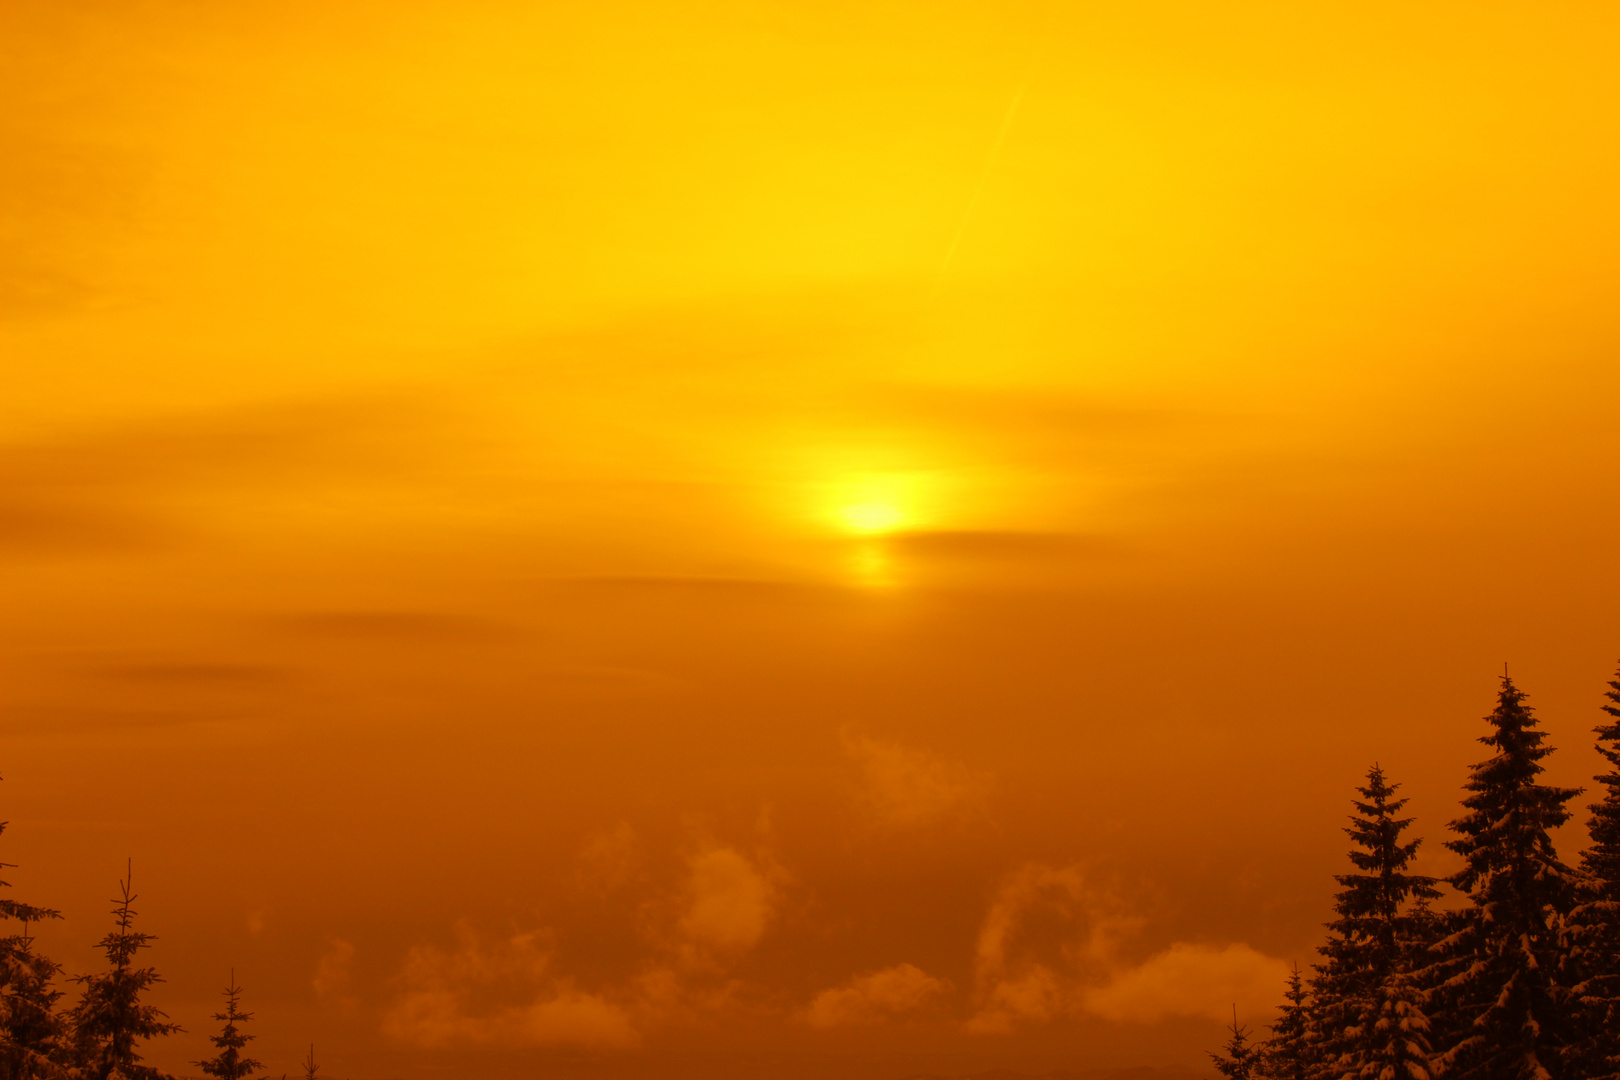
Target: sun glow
[
  {"x": 877, "y": 503},
  {"x": 873, "y": 517}
]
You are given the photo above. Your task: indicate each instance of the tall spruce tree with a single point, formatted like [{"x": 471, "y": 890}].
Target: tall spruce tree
[
  {"x": 229, "y": 1064},
  {"x": 1510, "y": 1010},
  {"x": 1594, "y": 925},
  {"x": 34, "y": 1042},
  {"x": 1366, "y": 942},
  {"x": 1288, "y": 1054},
  {"x": 110, "y": 1016}
]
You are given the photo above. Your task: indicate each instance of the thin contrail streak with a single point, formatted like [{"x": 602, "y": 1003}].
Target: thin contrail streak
[{"x": 984, "y": 179}]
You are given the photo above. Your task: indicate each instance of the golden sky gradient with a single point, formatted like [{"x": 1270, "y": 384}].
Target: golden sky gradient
[{"x": 734, "y": 539}]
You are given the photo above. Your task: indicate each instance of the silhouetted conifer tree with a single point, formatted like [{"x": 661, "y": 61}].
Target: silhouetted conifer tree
[
  {"x": 310, "y": 1068},
  {"x": 1366, "y": 942},
  {"x": 1594, "y": 925},
  {"x": 1289, "y": 1053},
  {"x": 34, "y": 1042},
  {"x": 1510, "y": 1010},
  {"x": 1241, "y": 1060},
  {"x": 110, "y": 1016},
  {"x": 229, "y": 1064}
]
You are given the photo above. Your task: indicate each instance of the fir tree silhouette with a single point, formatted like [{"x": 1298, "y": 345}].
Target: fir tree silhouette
[
  {"x": 1594, "y": 925},
  {"x": 310, "y": 1068},
  {"x": 1510, "y": 1009},
  {"x": 229, "y": 1064},
  {"x": 1241, "y": 1059},
  {"x": 34, "y": 1043},
  {"x": 1365, "y": 943},
  {"x": 110, "y": 1016},
  {"x": 1288, "y": 1054}
]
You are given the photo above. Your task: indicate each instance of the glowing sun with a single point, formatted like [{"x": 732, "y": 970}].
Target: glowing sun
[
  {"x": 876, "y": 503},
  {"x": 872, "y": 517}
]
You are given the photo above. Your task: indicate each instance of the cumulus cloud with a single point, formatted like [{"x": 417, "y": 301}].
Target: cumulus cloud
[
  {"x": 1015, "y": 967},
  {"x": 1023, "y": 976},
  {"x": 875, "y": 996},
  {"x": 500, "y": 994},
  {"x": 728, "y": 902},
  {"x": 906, "y": 787},
  {"x": 1191, "y": 980},
  {"x": 1033, "y": 994}
]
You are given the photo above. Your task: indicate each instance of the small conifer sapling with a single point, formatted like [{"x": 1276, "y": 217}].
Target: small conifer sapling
[
  {"x": 229, "y": 1063},
  {"x": 1240, "y": 1059},
  {"x": 1288, "y": 1054}
]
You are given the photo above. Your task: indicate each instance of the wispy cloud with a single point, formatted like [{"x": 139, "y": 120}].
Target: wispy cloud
[
  {"x": 607, "y": 861},
  {"x": 333, "y": 977},
  {"x": 906, "y": 787}
]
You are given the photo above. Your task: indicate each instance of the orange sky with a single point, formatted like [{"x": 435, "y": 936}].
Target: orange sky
[{"x": 791, "y": 539}]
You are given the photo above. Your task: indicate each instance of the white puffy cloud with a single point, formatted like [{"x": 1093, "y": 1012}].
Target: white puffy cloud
[
  {"x": 1190, "y": 980},
  {"x": 728, "y": 902},
  {"x": 874, "y": 996},
  {"x": 1020, "y": 979},
  {"x": 498, "y": 995}
]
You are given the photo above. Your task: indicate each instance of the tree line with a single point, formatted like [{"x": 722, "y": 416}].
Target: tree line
[
  {"x": 97, "y": 1037},
  {"x": 1519, "y": 981}
]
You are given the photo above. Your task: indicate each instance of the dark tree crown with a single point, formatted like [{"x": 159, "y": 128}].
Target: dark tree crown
[
  {"x": 1240, "y": 1060},
  {"x": 1511, "y": 814},
  {"x": 1509, "y": 1000},
  {"x": 110, "y": 1016},
  {"x": 34, "y": 1042},
  {"x": 1380, "y": 911},
  {"x": 229, "y": 1063}
]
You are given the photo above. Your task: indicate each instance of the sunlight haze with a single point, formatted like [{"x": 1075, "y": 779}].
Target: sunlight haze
[{"x": 791, "y": 539}]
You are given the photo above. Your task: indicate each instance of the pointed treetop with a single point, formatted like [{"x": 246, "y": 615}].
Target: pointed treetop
[
  {"x": 229, "y": 1063},
  {"x": 1507, "y": 797},
  {"x": 1512, "y": 936},
  {"x": 110, "y": 1017},
  {"x": 1288, "y": 1054},
  {"x": 1240, "y": 1059}
]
